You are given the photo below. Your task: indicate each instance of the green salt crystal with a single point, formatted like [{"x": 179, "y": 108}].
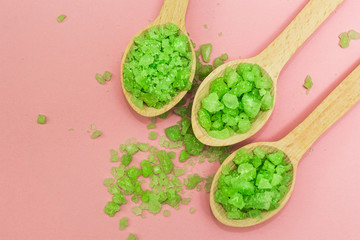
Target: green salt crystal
[
  {"x": 113, "y": 156},
  {"x": 123, "y": 223},
  {"x": 119, "y": 198},
  {"x": 111, "y": 208},
  {"x": 136, "y": 210},
  {"x": 166, "y": 164},
  {"x": 308, "y": 82},
  {"x": 107, "y": 76},
  {"x": 192, "y": 145},
  {"x": 114, "y": 189},
  {"x": 96, "y": 134},
  {"x": 108, "y": 181},
  {"x": 205, "y": 50},
  {"x": 135, "y": 199},
  {"x": 131, "y": 237},
  {"x": 126, "y": 159},
  {"x": 208, "y": 183},
  {"x": 166, "y": 213},
  {"x": 100, "y": 78},
  {"x": 152, "y": 135},
  {"x": 132, "y": 149},
  {"x": 61, "y": 18},
  {"x": 41, "y": 119},
  {"x": 146, "y": 168},
  {"x": 126, "y": 184},
  {"x": 144, "y": 147},
  {"x": 354, "y": 35},
  {"x": 172, "y": 155},
  {"x": 344, "y": 40},
  {"x": 192, "y": 181},
  {"x": 173, "y": 133},
  {"x": 192, "y": 210}
]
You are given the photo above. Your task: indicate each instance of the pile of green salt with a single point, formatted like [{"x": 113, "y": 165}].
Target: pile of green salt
[
  {"x": 158, "y": 66},
  {"x": 256, "y": 184},
  {"x": 235, "y": 100}
]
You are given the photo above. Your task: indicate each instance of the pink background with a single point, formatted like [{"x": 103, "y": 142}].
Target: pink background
[{"x": 51, "y": 178}]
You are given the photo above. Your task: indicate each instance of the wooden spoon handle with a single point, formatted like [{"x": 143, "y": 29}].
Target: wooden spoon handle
[
  {"x": 173, "y": 11},
  {"x": 336, "y": 104},
  {"x": 275, "y": 56}
]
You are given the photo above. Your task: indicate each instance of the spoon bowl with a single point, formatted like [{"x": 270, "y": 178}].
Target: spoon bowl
[
  {"x": 172, "y": 11},
  {"x": 271, "y": 60},
  {"x": 296, "y": 143}
]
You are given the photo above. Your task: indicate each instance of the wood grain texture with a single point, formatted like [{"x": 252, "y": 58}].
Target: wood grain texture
[
  {"x": 296, "y": 143},
  {"x": 172, "y": 11},
  {"x": 271, "y": 60}
]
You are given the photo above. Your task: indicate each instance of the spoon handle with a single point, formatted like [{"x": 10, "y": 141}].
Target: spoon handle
[
  {"x": 173, "y": 11},
  {"x": 276, "y": 55},
  {"x": 336, "y": 104}
]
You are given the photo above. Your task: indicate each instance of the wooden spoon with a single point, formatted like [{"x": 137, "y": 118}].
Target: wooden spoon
[
  {"x": 271, "y": 60},
  {"x": 296, "y": 143},
  {"x": 172, "y": 11}
]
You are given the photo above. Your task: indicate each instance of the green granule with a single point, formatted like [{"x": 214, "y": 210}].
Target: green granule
[
  {"x": 179, "y": 172},
  {"x": 152, "y": 135},
  {"x": 235, "y": 100},
  {"x": 192, "y": 181},
  {"x": 151, "y": 126},
  {"x": 136, "y": 210},
  {"x": 131, "y": 237},
  {"x": 354, "y": 35},
  {"x": 192, "y": 145},
  {"x": 70, "y": 129},
  {"x": 41, "y": 119},
  {"x": 205, "y": 26},
  {"x": 135, "y": 199},
  {"x": 205, "y": 50},
  {"x": 173, "y": 133},
  {"x": 308, "y": 82},
  {"x": 184, "y": 156},
  {"x": 205, "y": 71},
  {"x": 122, "y": 148},
  {"x": 108, "y": 181},
  {"x": 126, "y": 159},
  {"x": 198, "y": 188},
  {"x": 166, "y": 144},
  {"x": 220, "y": 34},
  {"x": 172, "y": 155},
  {"x": 92, "y": 126},
  {"x": 61, "y": 18},
  {"x": 137, "y": 102},
  {"x": 131, "y": 149},
  {"x": 192, "y": 210},
  {"x": 186, "y": 201},
  {"x": 181, "y": 102},
  {"x": 344, "y": 40},
  {"x": 181, "y": 111},
  {"x": 118, "y": 172},
  {"x": 107, "y": 76},
  {"x": 144, "y": 147},
  {"x": 158, "y": 65},
  {"x": 208, "y": 182},
  {"x": 164, "y": 115},
  {"x": 100, "y": 78},
  {"x": 114, "y": 189},
  {"x": 123, "y": 223},
  {"x": 166, "y": 213},
  {"x": 258, "y": 182},
  {"x": 113, "y": 156},
  {"x": 111, "y": 208},
  {"x": 96, "y": 134},
  {"x": 217, "y": 62}
]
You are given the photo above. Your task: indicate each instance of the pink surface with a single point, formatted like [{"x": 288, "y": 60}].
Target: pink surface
[{"x": 51, "y": 178}]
